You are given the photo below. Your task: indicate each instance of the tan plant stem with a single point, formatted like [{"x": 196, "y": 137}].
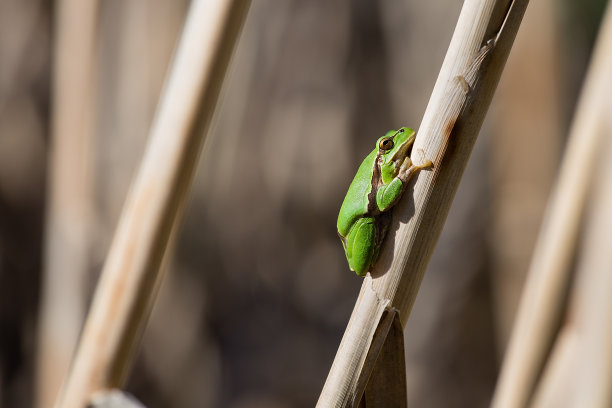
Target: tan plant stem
[
  {"x": 473, "y": 64},
  {"x": 132, "y": 272},
  {"x": 70, "y": 195},
  {"x": 544, "y": 296}
]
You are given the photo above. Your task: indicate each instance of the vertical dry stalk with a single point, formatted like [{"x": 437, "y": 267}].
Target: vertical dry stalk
[
  {"x": 544, "y": 295},
  {"x": 579, "y": 370},
  {"x": 460, "y": 99},
  {"x": 592, "y": 311},
  {"x": 132, "y": 271},
  {"x": 67, "y": 247}
]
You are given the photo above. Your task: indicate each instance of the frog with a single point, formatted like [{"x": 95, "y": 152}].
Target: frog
[{"x": 366, "y": 211}]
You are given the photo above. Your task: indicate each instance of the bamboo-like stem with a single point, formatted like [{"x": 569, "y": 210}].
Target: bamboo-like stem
[
  {"x": 132, "y": 272},
  {"x": 67, "y": 243},
  {"x": 477, "y": 53},
  {"x": 549, "y": 274}
]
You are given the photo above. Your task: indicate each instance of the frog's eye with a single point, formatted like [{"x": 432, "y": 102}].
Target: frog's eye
[
  {"x": 401, "y": 130},
  {"x": 386, "y": 144}
]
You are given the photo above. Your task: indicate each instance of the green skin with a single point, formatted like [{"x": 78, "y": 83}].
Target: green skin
[{"x": 378, "y": 185}]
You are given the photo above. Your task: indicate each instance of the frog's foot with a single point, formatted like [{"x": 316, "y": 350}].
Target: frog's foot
[{"x": 426, "y": 164}]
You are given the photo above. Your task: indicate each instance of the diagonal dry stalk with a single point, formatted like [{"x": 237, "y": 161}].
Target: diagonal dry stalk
[
  {"x": 469, "y": 75},
  {"x": 132, "y": 272},
  {"x": 544, "y": 297}
]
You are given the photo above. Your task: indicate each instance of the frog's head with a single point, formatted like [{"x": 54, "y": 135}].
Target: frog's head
[{"x": 393, "y": 148}]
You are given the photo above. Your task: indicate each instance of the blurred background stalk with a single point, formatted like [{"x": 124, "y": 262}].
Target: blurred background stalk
[
  {"x": 133, "y": 269},
  {"x": 545, "y": 295},
  {"x": 70, "y": 192},
  {"x": 520, "y": 187}
]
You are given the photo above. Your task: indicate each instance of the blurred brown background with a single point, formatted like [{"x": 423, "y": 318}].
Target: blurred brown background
[{"x": 258, "y": 293}]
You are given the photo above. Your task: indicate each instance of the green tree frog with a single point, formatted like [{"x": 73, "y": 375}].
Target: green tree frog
[{"x": 378, "y": 185}]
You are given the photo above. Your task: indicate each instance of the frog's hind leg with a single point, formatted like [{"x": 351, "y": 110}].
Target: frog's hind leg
[{"x": 360, "y": 245}]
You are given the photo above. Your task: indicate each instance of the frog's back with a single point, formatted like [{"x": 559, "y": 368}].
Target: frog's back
[{"x": 355, "y": 203}]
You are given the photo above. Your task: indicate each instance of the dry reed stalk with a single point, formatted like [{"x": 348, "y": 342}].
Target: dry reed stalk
[
  {"x": 555, "y": 388},
  {"x": 544, "y": 297},
  {"x": 70, "y": 195},
  {"x": 132, "y": 272},
  {"x": 460, "y": 99},
  {"x": 527, "y": 113},
  {"x": 578, "y": 372},
  {"x": 592, "y": 314},
  {"x": 581, "y": 370}
]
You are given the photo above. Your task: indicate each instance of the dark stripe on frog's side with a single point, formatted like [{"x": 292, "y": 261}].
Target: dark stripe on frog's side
[
  {"x": 376, "y": 182},
  {"x": 382, "y": 221}
]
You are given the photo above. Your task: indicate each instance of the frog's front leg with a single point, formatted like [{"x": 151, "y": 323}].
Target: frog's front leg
[
  {"x": 361, "y": 245},
  {"x": 387, "y": 196}
]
